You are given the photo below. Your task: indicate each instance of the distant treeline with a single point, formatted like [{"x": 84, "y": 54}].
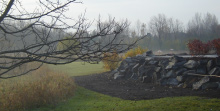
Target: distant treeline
[
  {"x": 163, "y": 33},
  {"x": 168, "y": 33}
]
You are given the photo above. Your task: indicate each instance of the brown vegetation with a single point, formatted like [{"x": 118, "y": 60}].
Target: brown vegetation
[{"x": 40, "y": 88}]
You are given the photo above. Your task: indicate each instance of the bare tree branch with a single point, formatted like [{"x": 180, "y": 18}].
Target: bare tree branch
[
  {"x": 6, "y": 10},
  {"x": 44, "y": 36}
]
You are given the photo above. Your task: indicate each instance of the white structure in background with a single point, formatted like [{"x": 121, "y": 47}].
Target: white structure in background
[
  {"x": 171, "y": 51},
  {"x": 159, "y": 52}
]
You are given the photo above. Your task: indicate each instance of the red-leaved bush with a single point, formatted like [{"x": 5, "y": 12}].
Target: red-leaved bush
[
  {"x": 216, "y": 45},
  {"x": 197, "y": 47}
]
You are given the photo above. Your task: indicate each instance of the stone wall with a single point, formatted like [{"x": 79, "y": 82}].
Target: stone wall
[{"x": 196, "y": 72}]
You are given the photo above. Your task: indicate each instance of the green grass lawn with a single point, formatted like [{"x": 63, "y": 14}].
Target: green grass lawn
[
  {"x": 79, "y": 68},
  {"x": 86, "y": 100}
]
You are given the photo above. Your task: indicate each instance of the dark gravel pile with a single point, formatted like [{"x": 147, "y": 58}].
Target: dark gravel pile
[{"x": 136, "y": 90}]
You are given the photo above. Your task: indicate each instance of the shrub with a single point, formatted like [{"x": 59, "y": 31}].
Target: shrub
[
  {"x": 216, "y": 45},
  {"x": 41, "y": 87},
  {"x": 134, "y": 52},
  {"x": 197, "y": 47},
  {"x": 111, "y": 60}
]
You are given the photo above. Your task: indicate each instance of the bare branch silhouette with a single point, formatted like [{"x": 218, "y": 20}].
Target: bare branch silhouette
[{"x": 44, "y": 36}]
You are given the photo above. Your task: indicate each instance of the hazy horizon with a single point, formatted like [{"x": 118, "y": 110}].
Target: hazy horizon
[{"x": 141, "y": 10}]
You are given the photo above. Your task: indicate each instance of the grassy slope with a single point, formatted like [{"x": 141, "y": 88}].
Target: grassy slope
[{"x": 85, "y": 100}]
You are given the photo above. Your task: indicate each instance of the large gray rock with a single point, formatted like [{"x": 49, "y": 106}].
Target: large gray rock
[
  {"x": 180, "y": 71},
  {"x": 201, "y": 69},
  {"x": 198, "y": 84},
  {"x": 158, "y": 69},
  {"x": 169, "y": 66},
  {"x": 123, "y": 65},
  {"x": 146, "y": 70},
  {"x": 163, "y": 63},
  {"x": 141, "y": 70},
  {"x": 218, "y": 85},
  {"x": 179, "y": 78},
  {"x": 142, "y": 61},
  {"x": 189, "y": 71},
  {"x": 215, "y": 71},
  {"x": 128, "y": 60},
  {"x": 172, "y": 81},
  {"x": 217, "y": 61},
  {"x": 127, "y": 72},
  {"x": 210, "y": 85},
  {"x": 149, "y": 53},
  {"x": 169, "y": 81},
  {"x": 114, "y": 71},
  {"x": 149, "y": 58},
  {"x": 169, "y": 74},
  {"x": 176, "y": 59},
  {"x": 150, "y": 76},
  {"x": 163, "y": 72},
  {"x": 150, "y": 70},
  {"x": 191, "y": 64},
  {"x": 173, "y": 71},
  {"x": 177, "y": 65},
  {"x": 135, "y": 71},
  {"x": 154, "y": 78},
  {"x": 117, "y": 76},
  {"x": 203, "y": 62},
  {"x": 163, "y": 81},
  {"x": 139, "y": 59},
  {"x": 210, "y": 65},
  {"x": 122, "y": 71},
  {"x": 190, "y": 80},
  {"x": 153, "y": 62},
  {"x": 125, "y": 68},
  {"x": 147, "y": 79},
  {"x": 135, "y": 68}
]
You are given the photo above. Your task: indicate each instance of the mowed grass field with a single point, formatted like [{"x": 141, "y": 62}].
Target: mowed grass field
[
  {"x": 79, "y": 68},
  {"x": 86, "y": 100}
]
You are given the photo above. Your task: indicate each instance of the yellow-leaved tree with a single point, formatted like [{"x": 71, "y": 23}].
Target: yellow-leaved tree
[
  {"x": 134, "y": 52},
  {"x": 111, "y": 60}
]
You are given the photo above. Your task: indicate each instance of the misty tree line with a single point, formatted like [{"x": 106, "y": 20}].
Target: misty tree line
[
  {"x": 169, "y": 33},
  {"x": 164, "y": 33},
  {"x": 161, "y": 33}
]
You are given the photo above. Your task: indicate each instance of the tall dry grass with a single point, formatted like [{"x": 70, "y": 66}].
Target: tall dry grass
[{"x": 39, "y": 88}]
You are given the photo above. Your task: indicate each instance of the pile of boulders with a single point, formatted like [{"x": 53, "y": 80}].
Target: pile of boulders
[{"x": 177, "y": 71}]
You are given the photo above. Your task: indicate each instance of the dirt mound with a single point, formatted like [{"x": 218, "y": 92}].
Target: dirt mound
[{"x": 136, "y": 90}]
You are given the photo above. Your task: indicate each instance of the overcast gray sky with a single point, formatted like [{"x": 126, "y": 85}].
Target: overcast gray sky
[{"x": 143, "y": 10}]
